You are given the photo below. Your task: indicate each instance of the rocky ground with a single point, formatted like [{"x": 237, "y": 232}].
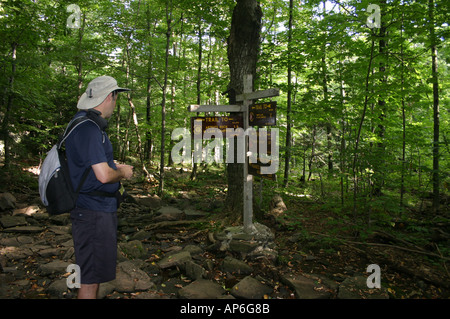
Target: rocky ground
[{"x": 170, "y": 250}]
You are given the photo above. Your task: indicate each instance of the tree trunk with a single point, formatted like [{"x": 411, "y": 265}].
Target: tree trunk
[
  {"x": 313, "y": 153},
  {"x": 136, "y": 127},
  {"x": 402, "y": 182},
  {"x": 325, "y": 98},
  {"x": 358, "y": 136},
  {"x": 149, "y": 136},
  {"x": 243, "y": 49},
  {"x": 79, "y": 66},
  {"x": 9, "y": 102},
  {"x": 434, "y": 76},
  {"x": 342, "y": 150},
  {"x": 379, "y": 163},
  {"x": 199, "y": 78},
  {"x": 163, "y": 102},
  {"x": 148, "y": 118},
  {"x": 289, "y": 98}
]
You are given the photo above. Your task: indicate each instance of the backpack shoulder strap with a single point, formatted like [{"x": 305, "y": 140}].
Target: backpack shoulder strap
[{"x": 72, "y": 126}]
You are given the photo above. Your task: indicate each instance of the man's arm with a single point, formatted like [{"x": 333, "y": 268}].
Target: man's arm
[{"x": 108, "y": 175}]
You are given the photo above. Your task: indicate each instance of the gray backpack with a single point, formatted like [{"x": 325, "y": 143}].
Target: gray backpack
[{"x": 55, "y": 186}]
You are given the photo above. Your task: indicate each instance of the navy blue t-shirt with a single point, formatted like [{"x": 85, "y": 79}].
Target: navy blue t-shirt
[{"x": 87, "y": 145}]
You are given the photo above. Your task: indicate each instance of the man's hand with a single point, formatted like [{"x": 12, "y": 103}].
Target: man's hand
[
  {"x": 108, "y": 175},
  {"x": 126, "y": 169}
]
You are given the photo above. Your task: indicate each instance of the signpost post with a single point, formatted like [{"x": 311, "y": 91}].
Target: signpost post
[{"x": 262, "y": 114}]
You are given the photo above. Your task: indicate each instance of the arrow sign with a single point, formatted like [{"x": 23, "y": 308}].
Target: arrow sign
[{"x": 263, "y": 114}]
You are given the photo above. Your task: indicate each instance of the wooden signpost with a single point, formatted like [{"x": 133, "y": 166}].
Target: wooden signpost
[
  {"x": 263, "y": 114},
  {"x": 266, "y": 115},
  {"x": 220, "y": 122},
  {"x": 255, "y": 168}
]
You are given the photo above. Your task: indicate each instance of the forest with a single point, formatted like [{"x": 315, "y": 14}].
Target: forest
[{"x": 362, "y": 114}]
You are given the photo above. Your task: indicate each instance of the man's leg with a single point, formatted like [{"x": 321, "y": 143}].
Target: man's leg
[{"x": 88, "y": 291}]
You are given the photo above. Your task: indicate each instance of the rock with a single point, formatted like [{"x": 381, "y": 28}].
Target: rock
[
  {"x": 15, "y": 253},
  {"x": 242, "y": 247},
  {"x": 141, "y": 235},
  {"x": 168, "y": 213},
  {"x": 277, "y": 207},
  {"x": 53, "y": 267},
  {"x": 194, "y": 271},
  {"x": 22, "y": 283},
  {"x": 49, "y": 252},
  {"x": 130, "y": 278},
  {"x": 177, "y": 259},
  {"x": 104, "y": 289},
  {"x": 150, "y": 295},
  {"x": 60, "y": 230},
  {"x": 23, "y": 240},
  {"x": 193, "y": 249},
  {"x": 236, "y": 240},
  {"x": 28, "y": 211},
  {"x": 64, "y": 240},
  {"x": 16, "y": 241},
  {"x": 306, "y": 288},
  {"x": 250, "y": 288},
  {"x": 233, "y": 265},
  {"x": 24, "y": 229},
  {"x": 58, "y": 288},
  {"x": 184, "y": 195},
  {"x": 12, "y": 221},
  {"x": 61, "y": 219},
  {"x": 123, "y": 283},
  {"x": 356, "y": 288},
  {"x": 194, "y": 214},
  {"x": 201, "y": 289},
  {"x": 153, "y": 202},
  {"x": 265, "y": 252},
  {"x": 7, "y": 201},
  {"x": 10, "y": 241},
  {"x": 69, "y": 254},
  {"x": 134, "y": 249}
]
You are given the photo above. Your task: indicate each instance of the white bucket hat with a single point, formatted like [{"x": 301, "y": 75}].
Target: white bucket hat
[{"x": 97, "y": 91}]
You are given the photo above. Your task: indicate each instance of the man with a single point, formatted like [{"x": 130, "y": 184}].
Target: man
[{"x": 94, "y": 220}]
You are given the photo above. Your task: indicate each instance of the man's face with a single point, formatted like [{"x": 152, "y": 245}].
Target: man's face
[{"x": 111, "y": 105}]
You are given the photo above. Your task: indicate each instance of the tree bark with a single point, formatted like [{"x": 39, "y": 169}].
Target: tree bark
[
  {"x": 289, "y": 99},
  {"x": 163, "y": 102},
  {"x": 9, "y": 103},
  {"x": 402, "y": 182},
  {"x": 199, "y": 79},
  {"x": 358, "y": 136},
  {"x": 379, "y": 161},
  {"x": 434, "y": 76},
  {"x": 149, "y": 136},
  {"x": 136, "y": 127},
  {"x": 243, "y": 49}
]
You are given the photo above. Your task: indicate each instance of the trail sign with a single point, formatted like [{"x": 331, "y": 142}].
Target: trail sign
[
  {"x": 263, "y": 114},
  {"x": 255, "y": 170},
  {"x": 263, "y": 138},
  {"x": 220, "y": 122}
]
